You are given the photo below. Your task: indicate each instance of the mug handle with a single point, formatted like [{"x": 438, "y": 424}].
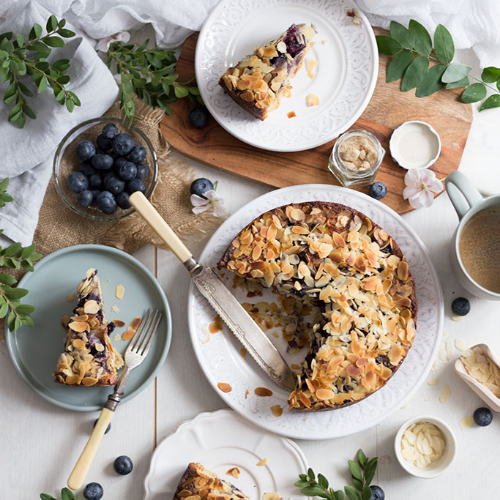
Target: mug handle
[{"x": 463, "y": 195}]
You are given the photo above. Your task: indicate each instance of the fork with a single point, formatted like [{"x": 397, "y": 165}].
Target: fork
[{"x": 135, "y": 354}]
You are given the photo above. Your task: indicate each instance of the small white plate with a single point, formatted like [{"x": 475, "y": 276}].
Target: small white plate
[
  {"x": 346, "y": 73},
  {"x": 219, "y": 441}
]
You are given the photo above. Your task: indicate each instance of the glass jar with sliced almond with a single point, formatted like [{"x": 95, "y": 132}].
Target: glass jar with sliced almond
[
  {"x": 337, "y": 260},
  {"x": 356, "y": 158}
]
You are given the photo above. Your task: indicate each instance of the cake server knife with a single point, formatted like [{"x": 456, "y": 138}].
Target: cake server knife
[{"x": 221, "y": 299}]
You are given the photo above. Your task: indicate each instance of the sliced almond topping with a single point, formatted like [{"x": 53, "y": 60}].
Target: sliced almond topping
[
  {"x": 91, "y": 307},
  {"x": 79, "y": 326},
  {"x": 78, "y": 344}
]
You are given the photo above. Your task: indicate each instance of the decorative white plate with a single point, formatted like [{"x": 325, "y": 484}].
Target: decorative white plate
[
  {"x": 345, "y": 75},
  {"x": 219, "y": 354},
  {"x": 222, "y": 440}
]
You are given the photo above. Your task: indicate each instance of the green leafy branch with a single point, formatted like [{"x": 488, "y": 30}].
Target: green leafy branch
[
  {"x": 19, "y": 58},
  {"x": 413, "y": 50},
  {"x": 148, "y": 73},
  {"x": 66, "y": 494},
  {"x": 362, "y": 474},
  {"x": 14, "y": 256}
]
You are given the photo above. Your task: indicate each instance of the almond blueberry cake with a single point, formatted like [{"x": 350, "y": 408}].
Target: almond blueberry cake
[
  {"x": 336, "y": 259},
  {"x": 258, "y": 81},
  {"x": 88, "y": 358},
  {"x": 197, "y": 483}
]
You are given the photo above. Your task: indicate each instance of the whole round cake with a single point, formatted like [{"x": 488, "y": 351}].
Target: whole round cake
[{"x": 336, "y": 259}]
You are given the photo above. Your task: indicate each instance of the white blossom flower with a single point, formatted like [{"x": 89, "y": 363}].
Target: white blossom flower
[
  {"x": 201, "y": 205},
  {"x": 421, "y": 184},
  {"x": 104, "y": 43}
]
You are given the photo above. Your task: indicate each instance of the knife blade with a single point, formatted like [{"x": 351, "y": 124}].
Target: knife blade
[{"x": 221, "y": 299}]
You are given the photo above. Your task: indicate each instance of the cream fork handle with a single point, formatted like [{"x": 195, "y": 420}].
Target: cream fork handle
[
  {"x": 158, "y": 224},
  {"x": 81, "y": 468}
]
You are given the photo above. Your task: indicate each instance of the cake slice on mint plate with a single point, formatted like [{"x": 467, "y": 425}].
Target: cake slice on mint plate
[
  {"x": 259, "y": 81},
  {"x": 88, "y": 358}
]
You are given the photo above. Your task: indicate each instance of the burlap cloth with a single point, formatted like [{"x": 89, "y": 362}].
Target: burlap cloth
[{"x": 59, "y": 227}]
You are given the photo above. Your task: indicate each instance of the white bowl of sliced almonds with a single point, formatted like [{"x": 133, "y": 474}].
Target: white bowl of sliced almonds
[{"x": 425, "y": 446}]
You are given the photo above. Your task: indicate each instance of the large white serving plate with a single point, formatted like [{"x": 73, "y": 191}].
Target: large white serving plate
[
  {"x": 345, "y": 76},
  {"x": 220, "y": 357},
  {"x": 220, "y": 441}
]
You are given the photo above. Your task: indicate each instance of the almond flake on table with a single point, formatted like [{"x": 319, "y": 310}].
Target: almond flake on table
[
  {"x": 460, "y": 344},
  {"x": 120, "y": 290},
  {"x": 466, "y": 422},
  {"x": 310, "y": 66},
  {"x": 445, "y": 394},
  {"x": 434, "y": 381},
  {"x": 450, "y": 348},
  {"x": 262, "y": 462}
]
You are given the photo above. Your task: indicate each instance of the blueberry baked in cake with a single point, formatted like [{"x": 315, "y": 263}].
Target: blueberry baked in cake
[
  {"x": 258, "y": 81},
  {"x": 338, "y": 260},
  {"x": 88, "y": 358},
  {"x": 197, "y": 483}
]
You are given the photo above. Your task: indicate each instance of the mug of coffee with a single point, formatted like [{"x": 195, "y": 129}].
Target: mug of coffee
[{"x": 475, "y": 249}]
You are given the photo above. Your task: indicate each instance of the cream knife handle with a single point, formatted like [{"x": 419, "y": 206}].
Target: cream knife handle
[
  {"x": 81, "y": 468},
  {"x": 158, "y": 224}
]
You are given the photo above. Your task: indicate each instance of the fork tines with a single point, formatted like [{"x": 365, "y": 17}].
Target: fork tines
[{"x": 142, "y": 340}]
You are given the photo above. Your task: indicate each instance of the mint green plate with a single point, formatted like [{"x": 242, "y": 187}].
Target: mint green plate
[{"x": 34, "y": 351}]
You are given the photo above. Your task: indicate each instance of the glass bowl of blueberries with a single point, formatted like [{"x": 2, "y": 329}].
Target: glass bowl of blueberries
[{"x": 99, "y": 164}]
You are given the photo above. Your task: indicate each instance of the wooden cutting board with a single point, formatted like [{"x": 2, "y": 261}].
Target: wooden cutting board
[{"x": 388, "y": 108}]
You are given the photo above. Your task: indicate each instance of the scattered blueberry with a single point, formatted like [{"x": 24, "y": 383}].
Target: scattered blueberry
[
  {"x": 109, "y": 130},
  {"x": 460, "y": 306},
  {"x": 85, "y": 198},
  {"x": 123, "y": 465},
  {"x": 127, "y": 171},
  {"x": 198, "y": 117},
  {"x": 87, "y": 169},
  {"x": 114, "y": 184},
  {"x": 77, "y": 182},
  {"x": 201, "y": 186},
  {"x": 108, "y": 428},
  {"x": 142, "y": 171},
  {"x": 103, "y": 143},
  {"x": 85, "y": 150},
  {"x": 102, "y": 161},
  {"x": 122, "y": 144},
  {"x": 378, "y": 190},
  {"x": 93, "y": 491},
  {"x": 136, "y": 185},
  {"x": 122, "y": 200},
  {"x": 137, "y": 154},
  {"x": 377, "y": 493},
  {"x": 106, "y": 202},
  {"x": 95, "y": 181},
  {"x": 483, "y": 417}
]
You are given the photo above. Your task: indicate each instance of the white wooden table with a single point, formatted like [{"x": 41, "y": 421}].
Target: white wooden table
[{"x": 40, "y": 442}]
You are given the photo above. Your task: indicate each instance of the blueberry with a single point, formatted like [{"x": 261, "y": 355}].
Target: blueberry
[
  {"x": 136, "y": 185},
  {"x": 201, "y": 186},
  {"x": 107, "y": 176},
  {"x": 85, "y": 198},
  {"x": 109, "y": 130},
  {"x": 85, "y": 150},
  {"x": 137, "y": 154},
  {"x": 122, "y": 144},
  {"x": 106, "y": 202},
  {"x": 77, "y": 182},
  {"x": 198, "y": 117},
  {"x": 377, "y": 493},
  {"x": 108, "y": 428},
  {"x": 103, "y": 143},
  {"x": 122, "y": 200},
  {"x": 123, "y": 465},
  {"x": 102, "y": 162},
  {"x": 119, "y": 162},
  {"x": 142, "y": 171},
  {"x": 378, "y": 190},
  {"x": 95, "y": 193},
  {"x": 127, "y": 171},
  {"x": 483, "y": 417},
  {"x": 93, "y": 491},
  {"x": 460, "y": 306},
  {"x": 95, "y": 181},
  {"x": 114, "y": 184},
  {"x": 87, "y": 169}
]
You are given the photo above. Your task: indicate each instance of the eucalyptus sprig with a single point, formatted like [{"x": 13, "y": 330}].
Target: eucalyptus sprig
[
  {"x": 413, "y": 50},
  {"x": 148, "y": 73},
  {"x": 66, "y": 494},
  {"x": 19, "y": 58},
  {"x": 362, "y": 473},
  {"x": 14, "y": 256}
]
